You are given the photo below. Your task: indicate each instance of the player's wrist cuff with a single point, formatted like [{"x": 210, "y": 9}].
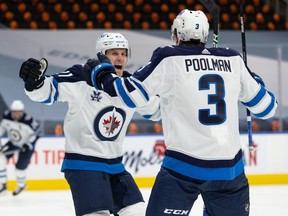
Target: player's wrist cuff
[{"x": 96, "y": 70}]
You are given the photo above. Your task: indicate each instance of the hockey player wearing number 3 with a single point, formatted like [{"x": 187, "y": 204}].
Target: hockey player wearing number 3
[
  {"x": 94, "y": 131},
  {"x": 199, "y": 89}
]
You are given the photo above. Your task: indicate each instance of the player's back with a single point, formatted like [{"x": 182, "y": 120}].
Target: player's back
[
  {"x": 199, "y": 100},
  {"x": 199, "y": 89}
]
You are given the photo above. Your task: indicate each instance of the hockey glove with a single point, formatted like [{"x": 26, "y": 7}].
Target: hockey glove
[
  {"x": 26, "y": 147},
  {"x": 32, "y": 73},
  {"x": 94, "y": 69},
  {"x": 103, "y": 58},
  {"x": 258, "y": 79},
  {"x": 88, "y": 67}
]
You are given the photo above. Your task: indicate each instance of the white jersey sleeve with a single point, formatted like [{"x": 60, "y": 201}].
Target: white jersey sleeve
[{"x": 59, "y": 87}]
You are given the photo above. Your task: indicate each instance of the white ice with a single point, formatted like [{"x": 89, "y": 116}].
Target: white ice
[{"x": 265, "y": 201}]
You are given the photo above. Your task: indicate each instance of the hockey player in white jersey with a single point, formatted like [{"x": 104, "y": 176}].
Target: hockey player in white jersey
[
  {"x": 199, "y": 89},
  {"x": 94, "y": 131},
  {"x": 22, "y": 132}
]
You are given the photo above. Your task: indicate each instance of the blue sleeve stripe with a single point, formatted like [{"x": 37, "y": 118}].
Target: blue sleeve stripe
[
  {"x": 98, "y": 69},
  {"x": 127, "y": 100},
  {"x": 257, "y": 98},
  {"x": 89, "y": 165},
  {"x": 140, "y": 87},
  {"x": 55, "y": 84},
  {"x": 268, "y": 109},
  {"x": 147, "y": 116},
  {"x": 203, "y": 173},
  {"x": 49, "y": 100}
]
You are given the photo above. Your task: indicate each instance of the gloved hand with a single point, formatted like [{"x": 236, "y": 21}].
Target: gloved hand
[
  {"x": 88, "y": 67},
  {"x": 95, "y": 69},
  {"x": 32, "y": 72},
  {"x": 258, "y": 79},
  {"x": 26, "y": 147},
  {"x": 103, "y": 58}
]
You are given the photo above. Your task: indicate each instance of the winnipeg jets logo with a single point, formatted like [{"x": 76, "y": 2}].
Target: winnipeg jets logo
[
  {"x": 15, "y": 135},
  {"x": 96, "y": 96},
  {"x": 109, "y": 122}
]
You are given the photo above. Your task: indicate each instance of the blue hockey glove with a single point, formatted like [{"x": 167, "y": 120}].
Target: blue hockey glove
[
  {"x": 32, "y": 73},
  {"x": 103, "y": 58},
  {"x": 88, "y": 67},
  {"x": 258, "y": 78},
  {"x": 95, "y": 69}
]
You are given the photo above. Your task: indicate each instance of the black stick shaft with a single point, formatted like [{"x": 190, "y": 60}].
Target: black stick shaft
[{"x": 244, "y": 53}]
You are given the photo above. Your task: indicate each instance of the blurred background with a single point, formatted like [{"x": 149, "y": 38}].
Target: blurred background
[{"x": 65, "y": 32}]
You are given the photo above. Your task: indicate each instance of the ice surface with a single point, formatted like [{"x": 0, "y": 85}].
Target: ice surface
[{"x": 265, "y": 201}]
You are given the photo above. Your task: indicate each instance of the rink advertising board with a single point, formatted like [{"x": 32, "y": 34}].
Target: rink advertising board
[{"x": 267, "y": 164}]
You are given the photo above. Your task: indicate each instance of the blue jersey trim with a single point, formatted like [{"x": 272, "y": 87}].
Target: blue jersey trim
[
  {"x": 55, "y": 84},
  {"x": 49, "y": 100},
  {"x": 268, "y": 109},
  {"x": 227, "y": 173},
  {"x": 89, "y": 165},
  {"x": 98, "y": 69},
  {"x": 142, "y": 90},
  {"x": 127, "y": 100},
  {"x": 204, "y": 163},
  {"x": 257, "y": 98},
  {"x": 147, "y": 116}
]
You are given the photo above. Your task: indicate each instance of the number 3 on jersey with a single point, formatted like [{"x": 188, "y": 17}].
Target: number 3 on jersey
[{"x": 217, "y": 99}]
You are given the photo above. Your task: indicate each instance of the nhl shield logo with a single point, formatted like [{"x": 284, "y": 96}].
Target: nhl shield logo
[{"x": 109, "y": 122}]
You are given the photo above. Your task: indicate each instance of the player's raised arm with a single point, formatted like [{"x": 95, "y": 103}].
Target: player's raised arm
[{"x": 101, "y": 75}]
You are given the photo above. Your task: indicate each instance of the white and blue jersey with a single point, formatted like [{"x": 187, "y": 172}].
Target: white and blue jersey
[
  {"x": 95, "y": 124},
  {"x": 199, "y": 90},
  {"x": 24, "y": 131}
]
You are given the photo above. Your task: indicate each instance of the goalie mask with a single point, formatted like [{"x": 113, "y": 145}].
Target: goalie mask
[
  {"x": 108, "y": 41},
  {"x": 190, "y": 25}
]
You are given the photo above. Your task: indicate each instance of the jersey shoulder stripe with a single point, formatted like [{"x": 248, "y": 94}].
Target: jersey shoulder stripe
[
  {"x": 72, "y": 74},
  {"x": 173, "y": 51}
]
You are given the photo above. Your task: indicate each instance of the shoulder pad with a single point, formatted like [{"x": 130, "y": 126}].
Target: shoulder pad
[
  {"x": 72, "y": 74},
  {"x": 221, "y": 51}
]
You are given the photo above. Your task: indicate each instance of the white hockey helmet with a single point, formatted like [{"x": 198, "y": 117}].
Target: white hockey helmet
[
  {"x": 190, "y": 25},
  {"x": 17, "y": 105},
  {"x": 109, "y": 40}
]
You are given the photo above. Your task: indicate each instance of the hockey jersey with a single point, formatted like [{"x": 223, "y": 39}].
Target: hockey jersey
[
  {"x": 24, "y": 131},
  {"x": 199, "y": 90},
  {"x": 95, "y": 124}
]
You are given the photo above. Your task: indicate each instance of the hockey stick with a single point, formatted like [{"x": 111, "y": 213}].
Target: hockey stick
[
  {"x": 244, "y": 53},
  {"x": 211, "y": 6}
]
